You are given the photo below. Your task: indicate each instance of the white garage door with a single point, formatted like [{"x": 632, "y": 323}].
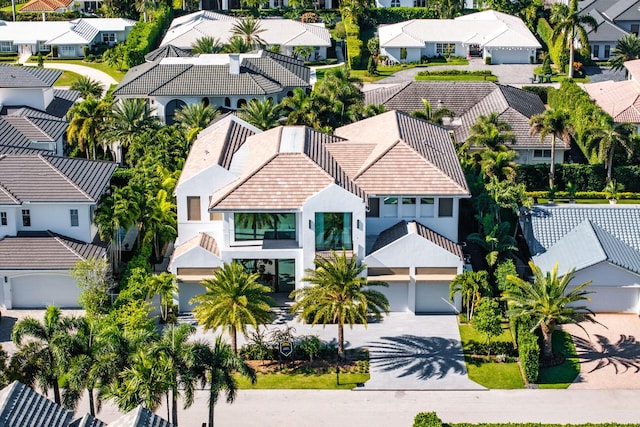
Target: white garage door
[
  {"x": 613, "y": 299},
  {"x": 39, "y": 291},
  {"x": 500, "y": 56},
  {"x": 186, "y": 291},
  {"x": 433, "y": 298},
  {"x": 397, "y": 294}
]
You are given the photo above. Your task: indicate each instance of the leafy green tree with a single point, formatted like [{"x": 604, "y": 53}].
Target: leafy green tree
[
  {"x": 144, "y": 7},
  {"x": 571, "y": 26},
  {"x": 554, "y": 122},
  {"x": 114, "y": 57},
  {"x": 495, "y": 239},
  {"x": 429, "y": 115},
  {"x": 373, "y": 110},
  {"x": 87, "y": 86},
  {"x": 627, "y": 49},
  {"x": 236, "y": 44},
  {"x": 338, "y": 98},
  {"x": 128, "y": 118},
  {"x": 233, "y": 300},
  {"x": 164, "y": 285},
  {"x": 195, "y": 117},
  {"x": 608, "y": 138},
  {"x": 263, "y": 114},
  {"x": 498, "y": 165},
  {"x": 340, "y": 294},
  {"x": 488, "y": 319},
  {"x": 471, "y": 285},
  {"x": 502, "y": 271},
  {"x": 249, "y": 29},
  {"x": 159, "y": 222},
  {"x": 491, "y": 132},
  {"x": 299, "y": 109},
  {"x": 93, "y": 276},
  {"x": 448, "y": 9},
  {"x": 303, "y": 52},
  {"x": 548, "y": 302},
  {"x": 207, "y": 44},
  {"x": 86, "y": 122},
  {"x": 373, "y": 46}
]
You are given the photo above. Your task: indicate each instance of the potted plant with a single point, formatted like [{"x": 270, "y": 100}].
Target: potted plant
[
  {"x": 572, "y": 189},
  {"x": 612, "y": 191}
]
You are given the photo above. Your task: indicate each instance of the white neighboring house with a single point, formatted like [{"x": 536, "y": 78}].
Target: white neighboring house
[
  {"x": 32, "y": 111},
  {"x": 272, "y": 4},
  {"x": 602, "y": 243},
  {"x": 615, "y": 18},
  {"x": 503, "y": 38},
  {"x": 69, "y": 37},
  {"x": 48, "y": 6},
  {"x": 286, "y": 33},
  {"x": 47, "y": 207},
  {"x": 385, "y": 189},
  {"x": 226, "y": 81}
]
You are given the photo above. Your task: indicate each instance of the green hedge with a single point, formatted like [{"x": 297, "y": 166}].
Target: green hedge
[
  {"x": 585, "y": 177},
  {"x": 354, "y": 44},
  {"x": 528, "y": 351},
  {"x": 455, "y": 73},
  {"x": 392, "y": 15},
  {"x": 427, "y": 419},
  {"x": 540, "y": 425},
  {"x": 541, "y": 91},
  {"x": 555, "y": 49},
  {"x": 145, "y": 36},
  {"x": 582, "y": 195}
]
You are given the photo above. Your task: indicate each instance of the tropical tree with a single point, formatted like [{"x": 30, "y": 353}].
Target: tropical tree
[
  {"x": 556, "y": 123},
  {"x": 608, "y": 138},
  {"x": 236, "y": 44},
  {"x": 115, "y": 56},
  {"x": 495, "y": 239},
  {"x": 159, "y": 222},
  {"x": 300, "y": 110},
  {"x": 373, "y": 110},
  {"x": 303, "y": 52},
  {"x": 488, "y": 320},
  {"x": 94, "y": 279},
  {"x": 164, "y": 285},
  {"x": 144, "y": 6},
  {"x": 491, "y": 132},
  {"x": 41, "y": 348},
  {"x": 472, "y": 285},
  {"x": 263, "y": 114},
  {"x": 207, "y": 44},
  {"x": 548, "y": 302},
  {"x": 338, "y": 98},
  {"x": 571, "y": 26},
  {"x": 87, "y": 86},
  {"x": 249, "y": 29},
  {"x": 233, "y": 300},
  {"x": 448, "y": 9},
  {"x": 129, "y": 118},
  {"x": 195, "y": 117},
  {"x": 627, "y": 49},
  {"x": 339, "y": 293},
  {"x": 498, "y": 164},
  {"x": 86, "y": 122},
  {"x": 432, "y": 116},
  {"x": 218, "y": 365}
]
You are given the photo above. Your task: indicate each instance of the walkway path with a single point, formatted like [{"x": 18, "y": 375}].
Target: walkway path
[{"x": 92, "y": 73}]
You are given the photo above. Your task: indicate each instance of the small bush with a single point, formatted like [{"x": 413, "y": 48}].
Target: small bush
[
  {"x": 528, "y": 350},
  {"x": 541, "y": 91},
  {"x": 392, "y": 15},
  {"x": 487, "y": 60},
  {"x": 427, "y": 419}
]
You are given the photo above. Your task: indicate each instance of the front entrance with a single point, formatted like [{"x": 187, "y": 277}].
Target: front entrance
[
  {"x": 474, "y": 50},
  {"x": 278, "y": 274}
]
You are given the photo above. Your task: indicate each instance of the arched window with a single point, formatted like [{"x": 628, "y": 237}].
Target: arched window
[
  {"x": 227, "y": 102},
  {"x": 205, "y": 101},
  {"x": 241, "y": 103},
  {"x": 170, "y": 110}
]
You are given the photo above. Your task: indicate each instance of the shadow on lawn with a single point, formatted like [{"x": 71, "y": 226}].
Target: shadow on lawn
[
  {"x": 427, "y": 357},
  {"x": 622, "y": 355}
]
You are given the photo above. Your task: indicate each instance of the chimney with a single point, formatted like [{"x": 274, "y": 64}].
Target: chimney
[{"x": 234, "y": 63}]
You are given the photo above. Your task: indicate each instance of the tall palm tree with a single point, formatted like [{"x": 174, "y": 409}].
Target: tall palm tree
[
  {"x": 340, "y": 294},
  {"x": 491, "y": 132},
  {"x": 195, "y": 117},
  {"x": 86, "y": 122},
  {"x": 159, "y": 221},
  {"x": 554, "y": 122},
  {"x": 236, "y": 44},
  {"x": 338, "y": 98},
  {"x": 233, "y": 300},
  {"x": 627, "y": 49},
  {"x": 548, "y": 301},
  {"x": 571, "y": 26},
  {"x": 429, "y": 115},
  {"x": 45, "y": 347},
  {"x": 495, "y": 239},
  {"x": 263, "y": 114},
  {"x": 219, "y": 364},
  {"x": 207, "y": 44},
  {"x": 87, "y": 86},
  {"x": 472, "y": 285},
  {"x": 609, "y": 138},
  {"x": 129, "y": 118},
  {"x": 300, "y": 109},
  {"x": 164, "y": 285},
  {"x": 144, "y": 6},
  {"x": 249, "y": 29},
  {"x": 498, "y": 164}
]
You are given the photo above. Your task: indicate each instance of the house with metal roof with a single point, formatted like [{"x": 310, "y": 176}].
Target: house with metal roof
[
  {"x": 615, "y": 19},
  {"x": 226, "y": 81},
  {"x": 47, "y": 207},
  {"x": 600, "y": 242},
  {"x": 503, "y": 38},
  {"x": 32, "y": 111},
  {"x": 470, "y": 100},
  {"x": 286, "y": 33},
  {"x": 68, "y": 37},
  {"x": 386, "y": 190}
]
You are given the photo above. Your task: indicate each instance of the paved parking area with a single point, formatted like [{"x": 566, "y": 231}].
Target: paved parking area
[{"x": 609, "y": 353}]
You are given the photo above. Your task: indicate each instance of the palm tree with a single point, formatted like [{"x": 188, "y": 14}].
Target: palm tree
[
  {"x": 129, "y": 117},
  {"x": 195, "y": 117},
  {"x": 338, "y": 98},
  {"x": 627, "y": 49},
  {"x": 373, "y": 110},
  {"x": 554, "y": 122},
  {"x": 300, "y": 109},
  {"x": 499, "y": 164},
  {"x": 86, "y": 122},
  {"x": 608, "y": 138},
  {"x": 236, "y": 44},
  {"x": 263, "y": 114},
  {"x": 548, "y": 302},
  {"x": 495, "y": 239},
  {"x": 206, "y": 44},
  {"x": 472, "y": 285},
  {"x": 429, "y": 115},
  {"x": 249, "y": 29},
  {"x": 163, "y": 284},
  {"x": 87, "y": 86},
  {"x": 159, "y": 222},
  {"x": 340, "y": 294},
  {"x": 219, "y": 364},
  {"x": 570, "y": 26},
  {"x": 144, "y": 6},
  {"x": 491, "y": 132},
  {"x": 44, "y": 349},
  {"x": 233, "y": 300}
]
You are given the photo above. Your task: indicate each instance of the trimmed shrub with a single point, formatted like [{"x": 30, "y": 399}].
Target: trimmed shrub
[
  {"x": 556, "y": 51},
  {"x": 456, "y": 73},
  {"x": 587, "y": 178},
  {"x": 427, "y": 419},
  {"x": 354, "y": 44},
  {"x": 528, "y": 350},
  {"x": 487, "y": 60},
  {"x": 145, "y": 36},
  {"x": 392, "y": 15},
  {"x": 541, "y": 91}
]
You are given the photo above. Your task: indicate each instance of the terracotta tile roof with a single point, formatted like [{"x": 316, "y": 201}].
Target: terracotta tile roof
[
  {"x": 621, "y": 100},
  {"x": 203, "y": 240},
  {"x": 45, "y": 5},
  {"x": 404, "y": 228},
  {"x": 351, "y": 155}
]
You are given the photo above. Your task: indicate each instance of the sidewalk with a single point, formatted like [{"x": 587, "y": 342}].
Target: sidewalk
[{"x": 92, "y": 73}]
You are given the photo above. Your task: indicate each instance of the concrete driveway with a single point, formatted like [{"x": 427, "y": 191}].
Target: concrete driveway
[{"x": 609, "y": 354}]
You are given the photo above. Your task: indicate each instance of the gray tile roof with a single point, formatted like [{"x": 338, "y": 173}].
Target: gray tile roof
[
  {"x": 87, "y": 421},
  {"x": 20, "y": 406},
  {"x": 623, "y": 10},
  {"x": 167, "y": 51},
  {"x": 50, "y": 178},
  {"x": 404, "y": 228},
  {"x": 27, "y": 77},
  {"x": 140, "y": 417},
  {"x": 544, "y": 226},
  {"x": 607, "y": 30},
  {"x": 45, "y": 250}
]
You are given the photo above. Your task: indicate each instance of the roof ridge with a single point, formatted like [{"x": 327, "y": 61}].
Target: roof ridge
[
  {"x": 8, "y": 192},
  {"x": 59, "y": 239},
  {"x": 375, "y": 160},
  {"x": 59, "y": 172}
]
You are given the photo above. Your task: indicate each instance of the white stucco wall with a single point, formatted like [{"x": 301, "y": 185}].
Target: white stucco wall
[
  {"x": 56, "y": 217},
  {"x": 37, "y": 97},
  {"x": 525, "y": 156},
  {"x": 11, "y": 228},
  {"x": 38, "y": 289}
]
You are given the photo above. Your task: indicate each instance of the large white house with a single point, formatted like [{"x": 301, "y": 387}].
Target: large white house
[
  {"x": 503, "y": 38},
  {"x": 286, "y": 33},
  {"x": 385, "y": 189},
  {"x": 47, "y": 208}
]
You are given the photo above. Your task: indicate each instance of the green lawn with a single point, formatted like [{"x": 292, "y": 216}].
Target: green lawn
[
  {"x": 67, "y": 78},
  {"x": 561, "y": 376},
  {"x": 8, "y": 8},
  {"x": 303, "y": 381},
  {"x": 462, "y": 77},
  {"x": 591, "y": 201},
  {"x": 102, "y": 66}
]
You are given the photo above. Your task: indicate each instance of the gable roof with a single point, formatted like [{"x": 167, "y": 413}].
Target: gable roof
[
  {"x": 208, "y": 75},
  {"x": 606, "y": 31},
  {"x": 45, "y": 5},
  {"x": 404, "y": 228},
  {"x": 87, "y": 421},
  {"x": 167, "y": 51},
  {"x": 27, "y": 77},
  {"x": 40, "y": 178},
  {"x": 140, "y": 417},
  {"x": 22, "y": 406},
  {"x": 623, "y": 10},
  {"x": 201, "y": 240},
  {"x": 621, "y": 100}
]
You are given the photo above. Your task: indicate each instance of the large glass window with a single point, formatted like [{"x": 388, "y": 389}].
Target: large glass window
[
  {"x": 277, "y": 274},
  {"x": 390, "y": 207},
  {"x": 264, "y": 226},
  {"x": 445, "y": 207},
  {"x": 409, "y": 206},
  {"x": 445, "y": 48},
  {"x": 333, "y": 231},
  {"x": 426, "y": 206}
]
